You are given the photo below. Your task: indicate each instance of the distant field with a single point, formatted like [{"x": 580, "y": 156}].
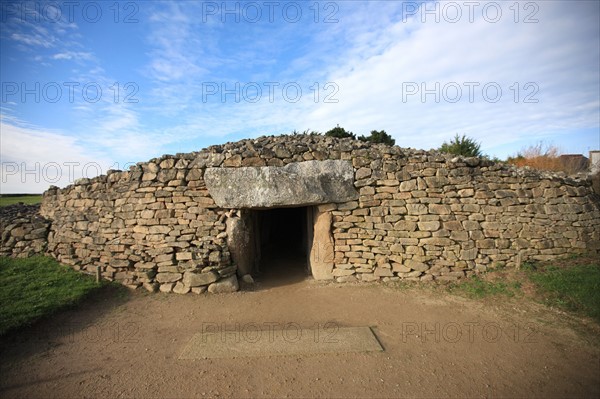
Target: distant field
[{"x": 24, "y": 198}]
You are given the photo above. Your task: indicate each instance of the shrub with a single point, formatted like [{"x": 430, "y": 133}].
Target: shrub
[
  {"x": 307, "y": 132},
  {"x": 378, "y": 137},
  {"x": 548, "y": 157},
  {"x": 464, "y": 146},
  {"x": 340, "y": 132}
]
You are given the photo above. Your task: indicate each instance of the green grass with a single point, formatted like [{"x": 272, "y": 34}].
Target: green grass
[
  {"x": 571, "y": 283},
  {"x": 575, "y": 288},
  {"x": 29, "y": 199},
  {"x": 31, "y": 288},
  {"x": 475, "y": 287}
]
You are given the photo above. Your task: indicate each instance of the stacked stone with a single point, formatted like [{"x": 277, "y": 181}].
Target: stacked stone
[
  {"x": 23, "y": 230},
  {"x": 419, "y": 215},
  {"x": 428, "y": 216},
  {"x": 153, "y": 226}
]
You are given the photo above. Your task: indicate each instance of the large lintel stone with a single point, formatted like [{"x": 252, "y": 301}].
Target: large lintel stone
[{"x": 296, "y": 184}]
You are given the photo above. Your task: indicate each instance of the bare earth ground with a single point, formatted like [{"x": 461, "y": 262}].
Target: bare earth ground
[{"x": 436, "y": 345}]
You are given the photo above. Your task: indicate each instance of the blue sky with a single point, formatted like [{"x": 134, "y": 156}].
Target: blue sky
[{"x": 92, "y": 85}]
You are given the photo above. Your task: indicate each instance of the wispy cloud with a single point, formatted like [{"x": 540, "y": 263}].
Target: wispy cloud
[
  {"x": 73, "y": 55},
  {"x": 33, "y": 40},
  {"x": 176, "y": 48}
]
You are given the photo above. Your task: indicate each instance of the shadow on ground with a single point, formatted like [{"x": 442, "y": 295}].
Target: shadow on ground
[{"x": 48, "y": 332}]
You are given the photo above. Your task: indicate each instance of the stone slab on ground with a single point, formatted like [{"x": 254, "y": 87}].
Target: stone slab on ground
[{"x": 249, "y": 341}]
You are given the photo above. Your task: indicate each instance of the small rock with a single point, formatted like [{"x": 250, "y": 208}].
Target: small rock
[
  {"x": 151, "y": 287},
  {"x": 192, "y": 279},
  {"x": 168, "y": 287},
  {"x": 199, "y": 290},
  {"x": 181, "y": 288},
  {"x": 229, "y": 284}
]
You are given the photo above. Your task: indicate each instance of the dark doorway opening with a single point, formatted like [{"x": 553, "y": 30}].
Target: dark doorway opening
[{"x": 284, "y": 243}]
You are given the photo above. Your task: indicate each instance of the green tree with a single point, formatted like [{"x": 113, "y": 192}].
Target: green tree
[
  {"x": 464, "y": 146},
  {"x": 378, "y": 137},
  {"x": 340, "y": 132}
]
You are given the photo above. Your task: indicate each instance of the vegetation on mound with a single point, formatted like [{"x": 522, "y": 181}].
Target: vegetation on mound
[
  {"x": 375, "y": 137},
  {"x": 464, "y": 146}
]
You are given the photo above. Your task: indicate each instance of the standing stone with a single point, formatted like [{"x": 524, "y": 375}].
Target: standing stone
[
  {"x": 240, "y": 244},
  {"x": 322, "y": 251}
]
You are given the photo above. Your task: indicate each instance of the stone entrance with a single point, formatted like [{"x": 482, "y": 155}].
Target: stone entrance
[
  {"x": 281, "y": 214},
  {"x": 280, "y": 242}
]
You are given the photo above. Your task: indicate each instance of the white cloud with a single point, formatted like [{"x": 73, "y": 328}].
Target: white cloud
[
  {"x": 558, "y": 55},
  {"x": 371, "y": 53},
  {"x": 32, "y": 159}
]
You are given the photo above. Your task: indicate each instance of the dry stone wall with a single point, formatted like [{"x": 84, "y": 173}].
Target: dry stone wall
[
  {"x": 23, "y": 232},
  {"x": 427, "y": 216},
  {"x": 415, "y": 215}
]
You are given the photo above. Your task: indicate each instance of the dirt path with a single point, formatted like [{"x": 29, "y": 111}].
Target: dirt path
[{"x": 436, "y": 345}]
